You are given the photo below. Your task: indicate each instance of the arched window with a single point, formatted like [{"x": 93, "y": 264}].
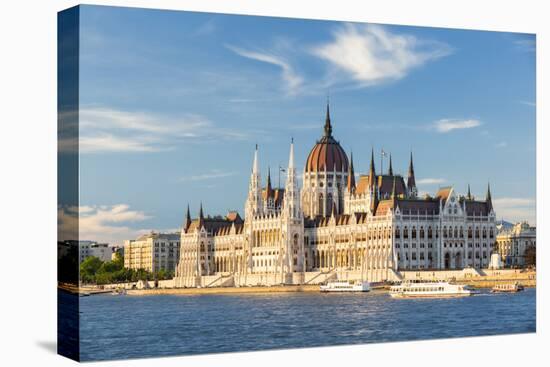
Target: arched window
[
  {"x": 413, "y": 235},
  {"x": 406, "y": 232},
  {"x": 430, "y": 232},
  {"x": 329, "y": 204},
  {"x": 321, "y": 204},
  {"x": 422, "y": 232},
  {"x": 491, "y": 233},
  {"x": 445, "y": 232},
  {"x": 477, "y": 232},
  {"x": 484, "y": 233},
  {"x": 456, "y": 232},
  {"x": 397, "y": 232},
  {"x": 469, "y": 232}
]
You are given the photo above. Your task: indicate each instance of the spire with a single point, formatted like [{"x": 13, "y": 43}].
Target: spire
[
  {"x": 328, "y": 126},
  {"x": 411, "y": 182},
  {"x": 351, "y": 176},
  {"x": 269, "y": 189},
  {"x": 254, "y": 203},
  {"x": 291, "y": 200},
  {"x": 201, "y": 213},
  {"x": 255, "y": 167},
  {"x": 469, "y": 195},
  {"x": 488, "y": 198},
  {"x": 187, "y": 219},
  {"x": 291, "y": 156},
  {"x": 390, "y": 170},
  {"x": 372, "y": 170}
]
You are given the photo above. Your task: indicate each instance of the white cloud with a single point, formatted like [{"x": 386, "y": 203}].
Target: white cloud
[
  {"x": 528, "y": 103},
  {"x": 430, "y": 181},
  {"x": 104, "y": 223},
  {"x": 448, "y": 125},
  {"x": 292, "y": 80},
  {"x": 370, "y": 54},
  {"x": 104, "y": 129},
  {"x": 502, "y": 144},
  {"x": 516, "y": 209},
  {"x": 208, "y": 176}
]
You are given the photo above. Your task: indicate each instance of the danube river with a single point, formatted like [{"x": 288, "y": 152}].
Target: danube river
[{"x": 115, "y": 327}]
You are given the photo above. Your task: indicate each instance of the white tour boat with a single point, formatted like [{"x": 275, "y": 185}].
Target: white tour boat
[
  {"x": 507, "y": 288},
  {"x": 422, "y": 289},
  {"x": 345, "y": 286}
]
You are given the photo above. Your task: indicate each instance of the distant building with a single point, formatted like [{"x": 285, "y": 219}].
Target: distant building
[
  {"x": 513, "y": 242},
  {"x": 91, "y": 248},
  {"x": 152, "y": 252},
  {"x": 117, "y": 250}
]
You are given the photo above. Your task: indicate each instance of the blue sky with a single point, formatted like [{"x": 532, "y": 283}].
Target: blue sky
[{"x": 172, "y": 104}]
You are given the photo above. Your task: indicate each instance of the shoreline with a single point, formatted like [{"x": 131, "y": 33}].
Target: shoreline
[{"x": 278, "y": 289}]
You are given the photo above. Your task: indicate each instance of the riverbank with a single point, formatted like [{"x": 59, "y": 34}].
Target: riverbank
[
  {"x": 473, "y": 278},
  {"x": 224, "y": 290}
]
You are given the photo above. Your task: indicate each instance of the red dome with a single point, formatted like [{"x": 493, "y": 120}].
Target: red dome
[{"x": 327, "y": 153}]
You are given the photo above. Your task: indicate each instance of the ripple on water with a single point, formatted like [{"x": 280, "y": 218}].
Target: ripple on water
[{"x": 131, "y": 327}]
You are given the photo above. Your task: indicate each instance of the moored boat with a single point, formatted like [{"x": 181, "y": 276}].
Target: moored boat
[
  {"x": 422, "y": 289},
  {"x": 118, "y": 291},
  {"x": 345, "y": 286},
  {"x": 507, "y": 288}
]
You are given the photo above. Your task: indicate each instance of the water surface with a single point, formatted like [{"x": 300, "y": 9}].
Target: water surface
[{"x": 115, "y": 327}]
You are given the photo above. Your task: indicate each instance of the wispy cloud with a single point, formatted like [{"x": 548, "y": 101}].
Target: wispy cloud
[
  {"x": 528, "y": 103},
  {"x": 431, "y": 181},
  {"x": 208, "y": 175},
  {"x": 516, "y": 209},
  {"x": 105, "y": 223},
  {"x": 370, "y": 54},
  {"x": 292, "y": 79},
  {"x": 448, "y": 125},
  {"x": 501, "y": 144},
  {"x": 104, "y": 129},
  {"x": 526, "y": 44}
]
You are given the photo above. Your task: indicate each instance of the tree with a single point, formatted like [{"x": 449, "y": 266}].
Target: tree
[{"x": 89, "y": 268}]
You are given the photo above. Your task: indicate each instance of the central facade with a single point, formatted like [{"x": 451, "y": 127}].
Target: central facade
[{"x": 337, "y": 225}]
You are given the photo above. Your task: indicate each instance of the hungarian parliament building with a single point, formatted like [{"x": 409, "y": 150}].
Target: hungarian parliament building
[{"x": 336, "y": 226}]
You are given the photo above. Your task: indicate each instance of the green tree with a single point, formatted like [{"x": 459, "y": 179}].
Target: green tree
[{"x": 89, "y": 268}]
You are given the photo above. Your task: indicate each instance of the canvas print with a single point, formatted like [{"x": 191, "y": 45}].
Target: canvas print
[{"x": 239, "y": 183}]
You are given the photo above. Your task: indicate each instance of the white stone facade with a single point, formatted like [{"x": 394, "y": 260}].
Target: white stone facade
[
  {"x": 513, "y": 242},
  {"x": 332, "y": 227}
]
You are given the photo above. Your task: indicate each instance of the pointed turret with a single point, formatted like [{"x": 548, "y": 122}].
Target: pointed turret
[
  {"x": 411, "y": 182},
  {"x": 292, "y": 194},
  {"x": 328, "y": 126},
  {"x": 351, "y": 176},
  {"x": 390, "y": 170},
  {"x": 334, "y": 212},
  {"x": 255, "y": 164},
  {"x": 269, "y": 189},
  {"x": 372, "y": 170},
  {"x": 254, "y": 204},
  {"x": 201, "y": 213},
  {"x": 488, "y": 199},
  {"x": 187, "y": 219},
  {"x": 469, "y": 195}
]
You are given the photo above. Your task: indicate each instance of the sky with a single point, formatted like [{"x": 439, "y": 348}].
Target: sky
[{"x": 172, "y": 104}]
